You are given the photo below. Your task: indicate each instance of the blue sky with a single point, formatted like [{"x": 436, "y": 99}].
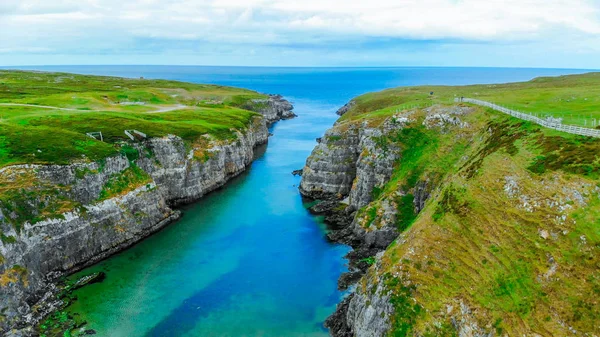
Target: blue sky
[{"x": 513, "y": 33}]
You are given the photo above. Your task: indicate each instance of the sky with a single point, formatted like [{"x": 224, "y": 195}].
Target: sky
[{"x": 507, "y": 33}]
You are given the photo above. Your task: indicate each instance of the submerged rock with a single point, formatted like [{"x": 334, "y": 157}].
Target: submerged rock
[
  {"x": 326, "y": 206},
  {"x": 88, "y": 279}
]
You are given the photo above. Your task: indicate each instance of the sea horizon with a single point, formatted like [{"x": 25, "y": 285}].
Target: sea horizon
[{"x": 288, "y": 67}]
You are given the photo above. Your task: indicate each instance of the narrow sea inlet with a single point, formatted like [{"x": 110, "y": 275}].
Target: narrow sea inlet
[{"x": 249, "y": 259}]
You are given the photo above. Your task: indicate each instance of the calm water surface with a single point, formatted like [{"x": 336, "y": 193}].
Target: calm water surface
[{"x": 248, "y": 260}]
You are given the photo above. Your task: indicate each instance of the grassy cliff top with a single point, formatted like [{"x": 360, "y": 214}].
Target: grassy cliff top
[
  {"x": 509, "y": 240},
  {"x": 510, "y": 231},
  {"x": 575, "y": 98},
  {"x": 44, "y": 117}
]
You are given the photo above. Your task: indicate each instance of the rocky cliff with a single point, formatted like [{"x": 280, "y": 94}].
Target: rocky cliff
[
  {"x": 458, "y": 218},
  {"x": 274, "y": 108},
  {"x": 352, "y": 163},
  {"x": 61, "y": 218}
]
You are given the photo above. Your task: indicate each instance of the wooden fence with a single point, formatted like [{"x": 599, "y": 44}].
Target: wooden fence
[{"x": 576, "y": 130}]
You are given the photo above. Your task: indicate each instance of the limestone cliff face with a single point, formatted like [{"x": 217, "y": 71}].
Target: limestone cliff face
[
  {"x": 108, "y": 206},
  {"x": 369, "y": 311},
  {"x": 182, "y": 178},
  {"x": 448, "y": 205},
  {"x": 274, "y": 108},
  {"x": 366, "y": 312},
  {"x": 375, "y": 163},
  {"x": 331, "y": 168},
  {"x": 50, "y": 248},
  {"x": 351, "y": 162}
]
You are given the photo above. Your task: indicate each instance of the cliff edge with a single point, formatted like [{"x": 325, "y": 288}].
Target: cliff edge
[
  {"x": 464, "y": 221},
  {"x": 56, "y": 219}
]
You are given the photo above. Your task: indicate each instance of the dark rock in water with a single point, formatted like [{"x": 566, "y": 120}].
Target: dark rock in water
[
  {"x": 297, "y": 172},
  {"x": 289, "y": 115},
  {"x": 337, "y": 322},
  {"x": 348, "y": 279},
  {"x": 270, "y": 134},
  {"x": 88, "y": 279},
  {"x": 89, "y": 332},
  {"x": 319, "y": 140},
  {"x": 324, "y": 207},
  {"x": 346, "y": 108},
  {"x": 359, "y": 256},
  {"x": 340, "y": 219},
  {"x": 342, "y": 235}
]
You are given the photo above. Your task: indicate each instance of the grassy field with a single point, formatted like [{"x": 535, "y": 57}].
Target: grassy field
[
  {"x": 31, "y": 133},
  {"x": 575, "y": 98}
]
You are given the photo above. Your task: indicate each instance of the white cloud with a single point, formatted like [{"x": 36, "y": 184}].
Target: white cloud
[
  {"x": 432, "y": 18},
  {"x": 104, "y": 25},
  {"x": 34, "y": 50}
]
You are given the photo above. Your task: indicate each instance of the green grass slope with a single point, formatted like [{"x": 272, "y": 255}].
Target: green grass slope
[
  {"x": 575, "y": 98},
  {"x": 512, "y": 229},
  {"x": 32, "y": 133}
]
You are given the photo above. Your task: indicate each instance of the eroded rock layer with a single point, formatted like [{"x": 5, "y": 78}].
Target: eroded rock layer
[
  {"x": 463, "y": 223},
  {"x": 63, "y": 218}
]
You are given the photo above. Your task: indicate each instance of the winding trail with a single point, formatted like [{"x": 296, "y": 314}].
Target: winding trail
[
  {"x": 40, "y": 106},
  {"x": 158, "y": 110},
  {"x": 168, "y": 108}
]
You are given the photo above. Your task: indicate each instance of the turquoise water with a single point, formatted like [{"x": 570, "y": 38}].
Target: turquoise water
[{"x": 248, "y": 260}]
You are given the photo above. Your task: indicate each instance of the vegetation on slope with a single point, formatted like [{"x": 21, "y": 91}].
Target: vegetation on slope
[
  {"x": 509, "y": 241},
  {"x": 34, "y": 133}
]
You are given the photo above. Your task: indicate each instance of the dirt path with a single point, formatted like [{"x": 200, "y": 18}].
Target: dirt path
[
  {"x": 168, "y": 108},
  {"x": 163, "y": 109},
  {"x": 39, "y": 106}
]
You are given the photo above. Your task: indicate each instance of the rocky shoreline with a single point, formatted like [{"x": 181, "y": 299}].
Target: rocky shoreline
[
  {"x": 341, "y": 173},
  {"x": 350, "y": 163},
  {"x": 372, "y": 195},
  {"x": 474, "y": 233},
  {"x": 274, "y": 109},
  {"x": 167, "y": 174},
  {"x": 360, "y": 259},
  {"x": 339, "y": 222}
]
